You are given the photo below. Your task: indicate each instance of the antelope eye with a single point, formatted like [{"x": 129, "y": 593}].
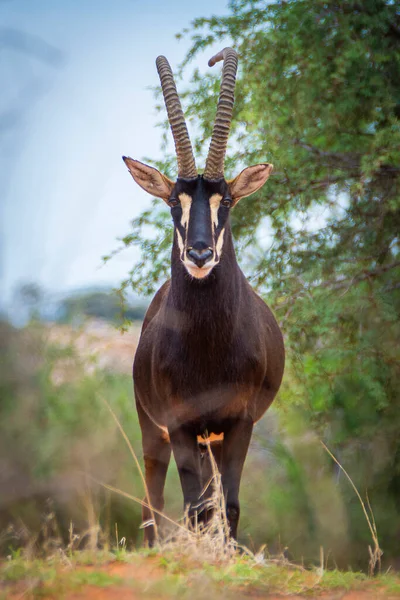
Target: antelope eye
[
  {"x": 173, "y": 202},
  {"x": 226, "y": 202}
]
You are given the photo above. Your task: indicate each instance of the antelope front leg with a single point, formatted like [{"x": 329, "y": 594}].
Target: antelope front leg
[
  {"x": 187, "y": 457},
  {"x": 156, "y": 454},
  {"x": 236, "y": 443}
]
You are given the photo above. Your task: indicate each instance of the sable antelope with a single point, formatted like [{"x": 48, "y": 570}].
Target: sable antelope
[{"x": 210, "y": 357}]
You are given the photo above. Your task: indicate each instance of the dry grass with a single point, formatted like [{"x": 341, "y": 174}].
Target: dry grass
[
  {"x": 203, "y": 542},
  {"x": 211, "y": 541},
  {"x": 208, "y": 541},
  {"x": 136, "y": 460},
  {"x": 375, "y": 553},
  {"x": 194, "y": 559}
]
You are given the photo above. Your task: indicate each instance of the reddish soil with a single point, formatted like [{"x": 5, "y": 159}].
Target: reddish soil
[
  {"x": 138, "y": 578},
  {"x": 149, "y": 571},
  {"x": 131, "y": 574}
]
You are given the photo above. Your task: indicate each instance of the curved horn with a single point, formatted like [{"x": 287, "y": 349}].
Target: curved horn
[
  {"x": 219, "y": 139},
  {"x": 183, "y": 147}
]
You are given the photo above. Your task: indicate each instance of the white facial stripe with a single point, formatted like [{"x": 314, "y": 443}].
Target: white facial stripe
[
  {"x": 220, "y": 243},
  {"x": 180, "y": 243},
  {"x": 186, "y": 203},
  {"x": 215, "y": 201},
  {"x": 192, "y": 269}
]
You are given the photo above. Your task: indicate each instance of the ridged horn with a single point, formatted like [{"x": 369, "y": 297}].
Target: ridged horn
[
  {"x": 183, "y": 147},
  {"x": 219, "y": 139}
]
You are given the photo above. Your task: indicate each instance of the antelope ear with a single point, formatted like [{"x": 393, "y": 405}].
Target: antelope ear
[
  {"x": 249, "y": 181},
  {"x": 149, "y": 178}
]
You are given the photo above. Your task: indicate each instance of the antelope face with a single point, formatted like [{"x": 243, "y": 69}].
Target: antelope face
[
  {"x": 200, "y": 204},
  {"x": 200, "y": 209}
]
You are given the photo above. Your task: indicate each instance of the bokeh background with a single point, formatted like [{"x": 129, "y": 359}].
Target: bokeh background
[{"x": 83, "y": 248}]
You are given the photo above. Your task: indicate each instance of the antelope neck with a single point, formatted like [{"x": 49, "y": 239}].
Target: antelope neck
[{"x": 211, "y": 298}]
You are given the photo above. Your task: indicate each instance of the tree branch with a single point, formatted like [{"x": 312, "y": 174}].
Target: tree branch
[{"x": 349, "y": 281}]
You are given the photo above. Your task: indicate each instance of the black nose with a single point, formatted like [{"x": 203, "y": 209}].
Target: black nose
[{"x": 200, "y": 256}]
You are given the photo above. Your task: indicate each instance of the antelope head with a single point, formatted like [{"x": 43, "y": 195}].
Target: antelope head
[{"x": 200, "y": 204}]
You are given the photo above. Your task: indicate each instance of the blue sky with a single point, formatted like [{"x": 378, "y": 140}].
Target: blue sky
[{"x": 66, "y": 195}]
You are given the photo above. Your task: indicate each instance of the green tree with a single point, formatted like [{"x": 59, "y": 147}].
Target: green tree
[{"x": 318, "y": 95}]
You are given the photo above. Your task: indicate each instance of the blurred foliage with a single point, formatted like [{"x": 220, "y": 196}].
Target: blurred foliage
[
  {"x": 318, "y": 95},
  {"x": 58, "y": 441},
  {"x": 100, "y": 304},
  {"x": 57, "y": 438}
]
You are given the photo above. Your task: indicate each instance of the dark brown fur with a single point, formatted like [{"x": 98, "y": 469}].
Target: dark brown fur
[{"x": 210, "y": 361}]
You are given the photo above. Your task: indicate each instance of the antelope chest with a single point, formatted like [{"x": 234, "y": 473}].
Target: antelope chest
[{"x": 205, "y": 383}]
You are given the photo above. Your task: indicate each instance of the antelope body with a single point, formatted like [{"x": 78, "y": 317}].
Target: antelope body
[{"x": 210, "y": 357}]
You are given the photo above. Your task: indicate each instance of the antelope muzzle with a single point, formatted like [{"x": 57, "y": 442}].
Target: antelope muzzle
[{"x": 200, "y": 254}]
